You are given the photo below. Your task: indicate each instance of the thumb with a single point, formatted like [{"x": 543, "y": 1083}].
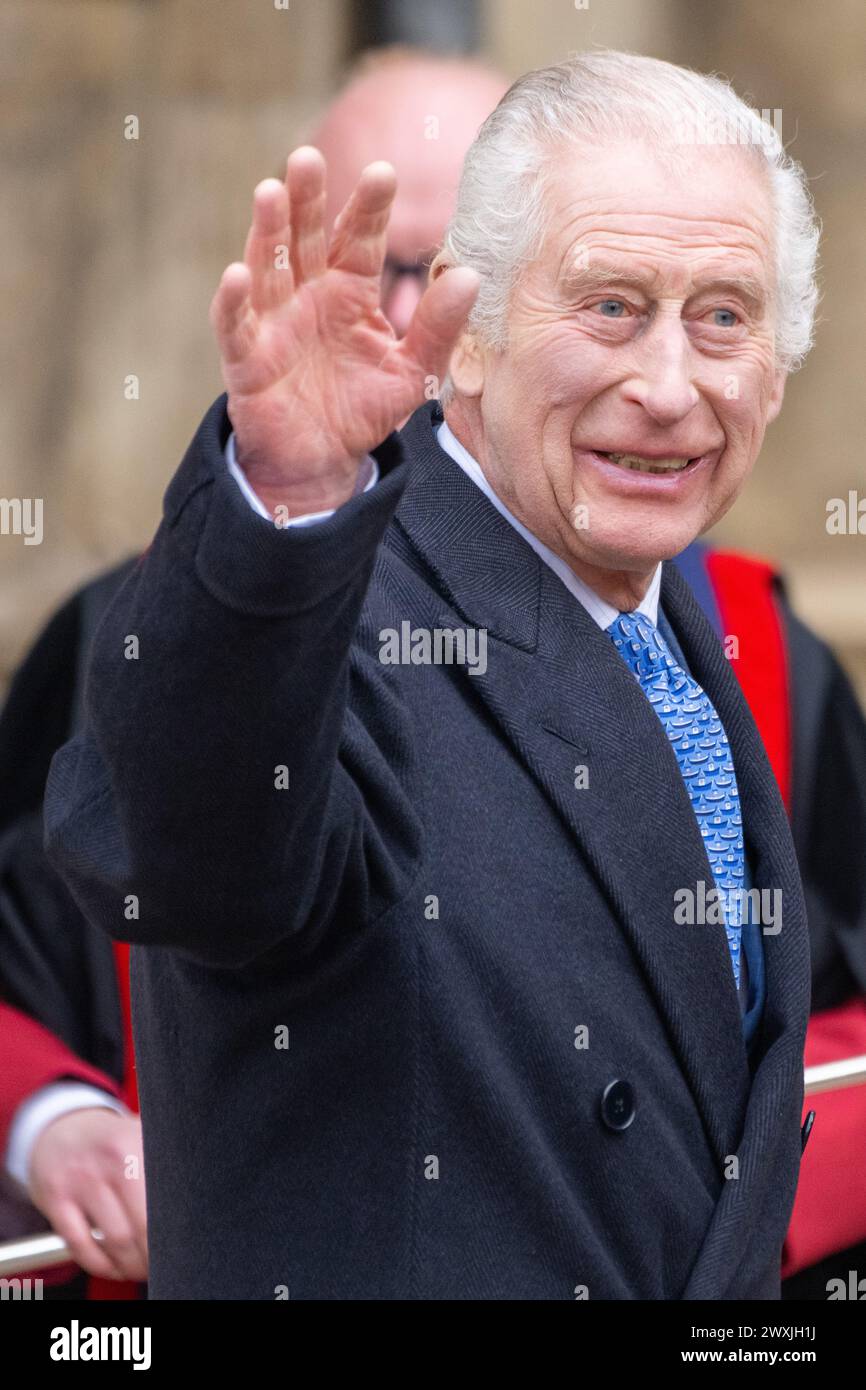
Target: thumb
[{"x": 439, "y": 319}]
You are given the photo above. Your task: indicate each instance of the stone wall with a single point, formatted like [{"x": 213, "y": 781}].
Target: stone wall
[{"x": 112, "y": 248}]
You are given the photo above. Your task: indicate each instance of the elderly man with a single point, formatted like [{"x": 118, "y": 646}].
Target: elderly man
[
  {"x": 426, "y": 952},
  {"x": 65, "y": 1135}
]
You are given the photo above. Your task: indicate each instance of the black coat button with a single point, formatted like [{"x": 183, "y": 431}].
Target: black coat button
[{"x": 617, "y": 1104}]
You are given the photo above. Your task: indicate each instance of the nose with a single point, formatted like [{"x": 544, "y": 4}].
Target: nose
[
  {"x": 661, "y": 382},
  {"x": 401, "y": 301}
]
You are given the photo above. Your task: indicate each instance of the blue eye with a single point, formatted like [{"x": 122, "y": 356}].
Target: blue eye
[
  {"x": 724, "y": 318},
  {"x": 615, "y": 306}
]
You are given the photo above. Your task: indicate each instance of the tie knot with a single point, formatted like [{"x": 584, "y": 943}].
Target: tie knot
[{"x": 640, "y": 644}]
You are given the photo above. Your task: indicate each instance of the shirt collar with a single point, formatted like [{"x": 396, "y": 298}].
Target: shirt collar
[{"x": 598, "y": 608}]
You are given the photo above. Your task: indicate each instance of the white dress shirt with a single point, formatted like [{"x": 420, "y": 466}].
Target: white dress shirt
[
  {"x": 369, "y": 475},
  {"x": 37, "y": 1112}
]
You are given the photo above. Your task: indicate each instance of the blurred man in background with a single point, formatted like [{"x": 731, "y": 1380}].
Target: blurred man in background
[{"x": 423, "y": 112}]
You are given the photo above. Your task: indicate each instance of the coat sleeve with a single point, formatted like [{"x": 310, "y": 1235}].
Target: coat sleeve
[
  {"x": 223, "y": 797},
  {"x": 830, "y": 1207},
  {"x": 829, "y": 813},
  {"x": 829, "y": 825},
  {"x": 55, "y": 970},
  {"x": 32, "y": 1057}
]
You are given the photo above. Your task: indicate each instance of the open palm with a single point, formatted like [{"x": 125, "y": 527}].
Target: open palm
[{"x": 315, "y": 375}]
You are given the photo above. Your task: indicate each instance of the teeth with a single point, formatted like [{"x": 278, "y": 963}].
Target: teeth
[{"x": 643, "y": 465}]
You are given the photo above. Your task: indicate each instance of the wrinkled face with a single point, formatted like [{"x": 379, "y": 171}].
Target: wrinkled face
[{"x": 629, "y": 406}]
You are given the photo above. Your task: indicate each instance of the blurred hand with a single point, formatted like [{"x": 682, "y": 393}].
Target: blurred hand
[
  {"x": 78, "y": 1180},
  {"x": 315, "y": 375}
]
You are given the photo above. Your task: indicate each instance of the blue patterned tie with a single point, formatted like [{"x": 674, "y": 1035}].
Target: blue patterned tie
[{"x": 703, "y": 753}]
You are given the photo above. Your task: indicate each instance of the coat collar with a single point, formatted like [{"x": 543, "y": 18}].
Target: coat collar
[{"x": 563, "y": 696}]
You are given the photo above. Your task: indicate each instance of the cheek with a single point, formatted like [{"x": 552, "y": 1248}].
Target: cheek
[
  {"x": 740, "y": 395},
  {"x": 556, "y": 364},
  {"x": 743, "y": 423}
]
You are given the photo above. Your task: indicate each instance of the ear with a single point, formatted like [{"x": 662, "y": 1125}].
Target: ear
[
  {"x": 466, "y": 367},
  {"x": 776, "y": 395}
]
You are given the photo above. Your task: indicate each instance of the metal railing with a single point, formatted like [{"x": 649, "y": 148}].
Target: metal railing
[
  {"x": 35, "y": 1252},
  {"x": 834, "y": 1076},
  {"x": 45, "y": 1251}
]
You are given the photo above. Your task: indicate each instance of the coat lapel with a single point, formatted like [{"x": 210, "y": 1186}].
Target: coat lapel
[
  {"x": 775, "y": 1098},
  {"x": 564, "y": 698},
  {"x": 765, "y": 822}
]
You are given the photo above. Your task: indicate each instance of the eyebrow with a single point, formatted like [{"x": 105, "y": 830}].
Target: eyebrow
[
  {"x": 746, "y": 287},
  {"x": 600, "y": 276}
]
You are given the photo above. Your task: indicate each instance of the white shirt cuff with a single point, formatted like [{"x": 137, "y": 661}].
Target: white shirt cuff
[
  {"x": 47, "y": 1104},
  {"x": 310, "y": 518}
]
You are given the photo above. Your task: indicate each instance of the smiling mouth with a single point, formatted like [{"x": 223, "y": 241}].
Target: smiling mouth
[{"x": 638, "y": 463}]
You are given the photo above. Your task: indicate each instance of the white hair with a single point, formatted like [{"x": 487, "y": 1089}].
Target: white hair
[{"x": 599, "y": 96}]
